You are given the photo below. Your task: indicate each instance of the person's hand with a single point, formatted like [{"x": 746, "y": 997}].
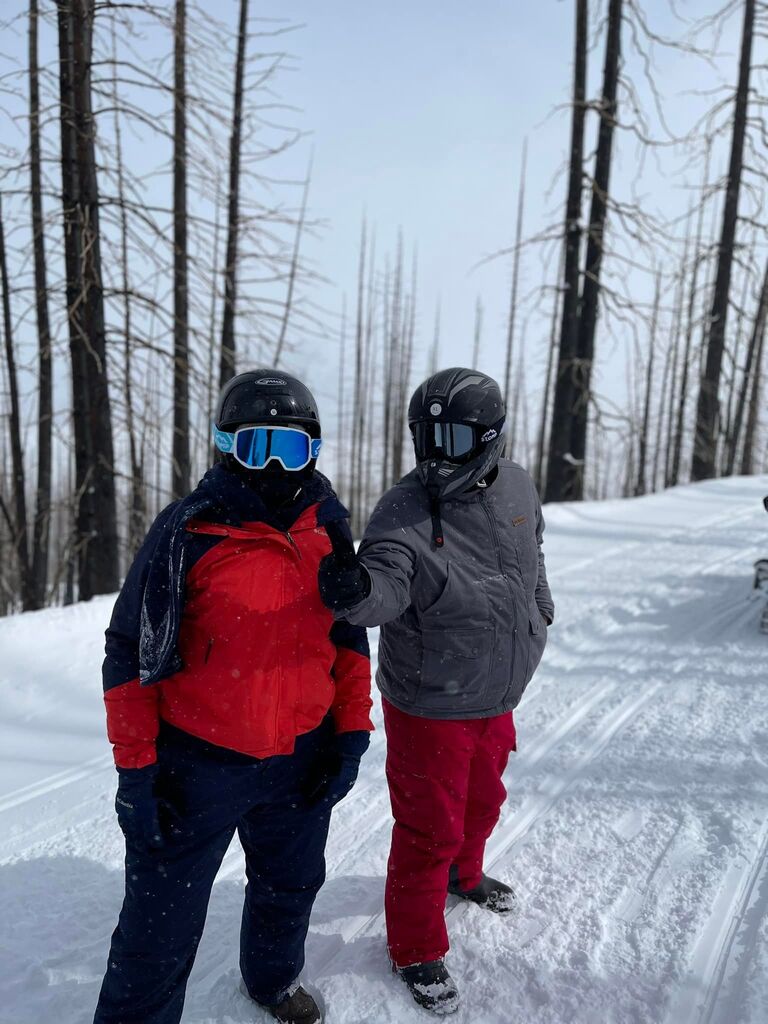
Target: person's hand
[
  {"x": 336, "y": 773},
  {"x": 138, "y": 809},
  {"x": 342, "y": 578}
]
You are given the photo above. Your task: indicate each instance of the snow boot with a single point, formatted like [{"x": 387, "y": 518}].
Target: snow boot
[
  {"x": 431, "y": 986},
  {"x": 491, "y": 894},
  {"x": 298, "y": 1007}
]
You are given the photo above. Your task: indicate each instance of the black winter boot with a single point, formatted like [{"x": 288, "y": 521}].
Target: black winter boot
[
  {"x": 297, "y": 1008},
  {"x": 491, "y": 894},
  {"x": 431, "y": 986}
]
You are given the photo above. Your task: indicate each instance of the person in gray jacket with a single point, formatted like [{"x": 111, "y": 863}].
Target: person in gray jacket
[{"x": 451, "y": 567}]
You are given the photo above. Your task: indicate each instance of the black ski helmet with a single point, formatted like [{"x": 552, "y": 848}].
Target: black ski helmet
[
  {"x": 452, "y": 461},
  {"x": 267, "y": 396},
  {"x": 264, "y": 397}
]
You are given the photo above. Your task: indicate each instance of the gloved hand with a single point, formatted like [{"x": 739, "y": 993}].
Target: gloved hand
[
  {"x": 342, "y": 577},
  {"x": 138, "y": 809},
  {"x": 335, "y": 773}
]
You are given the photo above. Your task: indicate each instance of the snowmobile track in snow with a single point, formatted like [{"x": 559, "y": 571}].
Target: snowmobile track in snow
[{"x": 713, "y": 986}]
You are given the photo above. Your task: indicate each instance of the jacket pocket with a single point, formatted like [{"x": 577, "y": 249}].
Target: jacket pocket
[{"x": 455, "y": 669}]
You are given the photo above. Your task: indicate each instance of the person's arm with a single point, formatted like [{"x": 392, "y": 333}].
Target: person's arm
[
  {"x": 373, "y": 586},
  {"x": 351, "y": 671},
  {"x": 132, "y": 710},
  {"x": 543, "y": 594}
]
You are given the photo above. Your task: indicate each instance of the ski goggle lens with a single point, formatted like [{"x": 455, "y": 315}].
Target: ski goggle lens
[
  {"x": 255, "y": 447},
  {"x": 451, "y": 440}
]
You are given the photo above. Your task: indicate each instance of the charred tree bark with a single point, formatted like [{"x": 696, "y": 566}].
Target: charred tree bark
[
  {"x": 294, "y": 269},
  {"x": 96, "y": 512},
  {"x": 511, "y": 406},
  {"x": 137, "y": 511},
  {"x": 560, "y": 469},
  {"x": 181, "y": 469},
  {"x": 20, "y": 531},
  {"x": 690, "y": 325},
  {"x": 750, "y": 390},
  {"x": 228, "y": 344},
  {"x": 42, "y": 523},
  {"x": 590, "y": 296},
  {"x": 642, "y": 452},
  {"x": 705, "y": 437}
]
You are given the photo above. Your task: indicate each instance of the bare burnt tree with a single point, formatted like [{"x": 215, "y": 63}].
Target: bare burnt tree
[
  {"x": 181, "y": 467},
  {"x": 18, "y": 523},
  {"x": 511, "y": 406},
  {"x": 42, "y": 523},
  {"x": 750, "y": 389},
  {"x": 693, "y": 276},
  {"x": 642, "y": 447},
  {"x": 227, "y": 368},
  {"x": 477, "y": 335},
  {"x": 96, "y": 515},
  {"x": 590, "y": 296},
  {"x": 560, "y": 469},
  {"x": 293, "y": 272},
  {"x": 705, "y": 436},
  {"x": 750, "y": 433}
]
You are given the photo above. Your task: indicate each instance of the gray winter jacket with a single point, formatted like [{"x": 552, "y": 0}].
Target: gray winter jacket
[{"x": 462, "y": 626}]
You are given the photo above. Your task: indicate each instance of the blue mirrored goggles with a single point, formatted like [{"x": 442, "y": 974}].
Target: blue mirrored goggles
[{"x": 255, "y": 447}]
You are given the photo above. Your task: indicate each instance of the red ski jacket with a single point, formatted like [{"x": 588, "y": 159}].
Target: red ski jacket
[{"x": 263, "y": 661}]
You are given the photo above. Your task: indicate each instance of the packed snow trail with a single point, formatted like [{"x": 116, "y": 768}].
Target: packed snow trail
[{"x": 635, "y": 833}]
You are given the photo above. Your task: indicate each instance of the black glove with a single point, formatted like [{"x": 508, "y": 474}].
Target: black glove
[
  {"x": 342, "y": 578},
  {"x": 138, "y": 809},
  {"x": 335, "y": 772}
]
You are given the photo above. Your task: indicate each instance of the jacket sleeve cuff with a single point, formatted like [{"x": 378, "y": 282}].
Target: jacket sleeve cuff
[{"x": 353, "y": 719}]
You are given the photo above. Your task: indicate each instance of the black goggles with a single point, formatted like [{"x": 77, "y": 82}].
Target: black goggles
[{"x": 458, "y": 442}]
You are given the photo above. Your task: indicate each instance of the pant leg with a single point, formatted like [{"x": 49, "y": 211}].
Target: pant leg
[
  {"x": 284, "y": 843},
  {"x": 485, "y": 796},
  {"x": 428, "y": 766},
  {"x": 167, "y": 893}
]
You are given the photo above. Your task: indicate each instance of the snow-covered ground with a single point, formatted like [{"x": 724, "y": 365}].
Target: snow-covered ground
[{"x": 636, "y": 829}]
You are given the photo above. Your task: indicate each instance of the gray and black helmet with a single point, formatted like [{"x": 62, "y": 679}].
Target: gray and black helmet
[{"x": 457, "y": 421}]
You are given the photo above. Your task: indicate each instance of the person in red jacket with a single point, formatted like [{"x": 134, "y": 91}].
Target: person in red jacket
[{"x": 234, "y": 703}]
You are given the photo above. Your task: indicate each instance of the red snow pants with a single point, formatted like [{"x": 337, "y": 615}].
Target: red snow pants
[{"x": 446, "y": 791}]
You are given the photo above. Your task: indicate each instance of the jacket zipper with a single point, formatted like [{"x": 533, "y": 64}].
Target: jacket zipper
[{"x": 293, "y": 543}]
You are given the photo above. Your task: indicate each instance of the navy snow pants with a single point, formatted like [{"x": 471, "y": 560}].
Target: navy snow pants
[{"x": 167, "y": 891}]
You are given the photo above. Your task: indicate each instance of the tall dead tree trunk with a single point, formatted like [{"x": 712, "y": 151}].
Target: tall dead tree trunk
[
  {"x": 181, "y": 469},
  {"x": 18, "y": 526},
  {"x": 690, "y": 325},
  {"x": 547, "y": 394},
  {"x": 96, "y": 511},
  {"x": 228, "y": 344},
  {"x": 750, "y": 434},
  {"x": 478, "y": 334},
  {"x": 750, "y": 390},
  {"x": 358, "y": 411},
  {"x": 137, "y": 511},
  {"x": 511, "y": 406},
  {"x": 705, "y": 437},
  {"x": 642, "y": 448},
  {"x": 293, "y": 272},
  {"x": 560, "y": 469},
  {"x": 41, "y": 530},
  {"x": 590, "y": 295}
]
